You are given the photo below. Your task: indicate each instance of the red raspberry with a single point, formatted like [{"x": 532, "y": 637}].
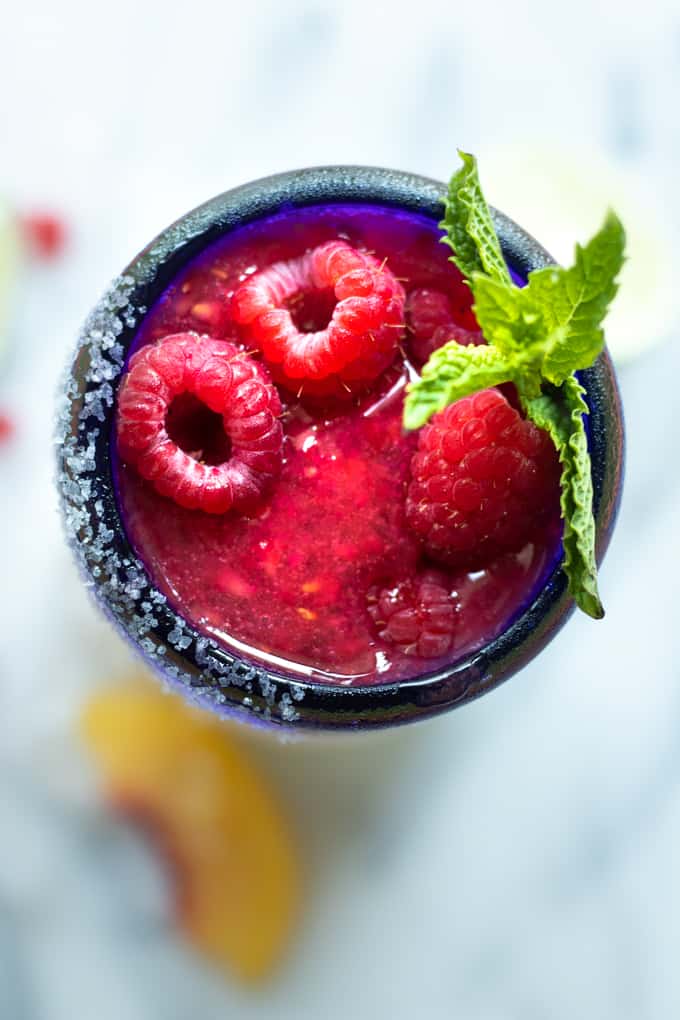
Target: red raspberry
[
  {"x": 484, "y": 480},
  {"x": 418, "y": 616},
  {"x": 432, "y": 319},
  {"x": 228, "y": 383},
  {"x": 6, "y": 428},
  {"x": 44, "y": 234},
  {"x": 365, "y": 326}
]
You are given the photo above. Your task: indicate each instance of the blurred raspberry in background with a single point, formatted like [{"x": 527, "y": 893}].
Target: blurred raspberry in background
[{"x": 44, "y": 234}]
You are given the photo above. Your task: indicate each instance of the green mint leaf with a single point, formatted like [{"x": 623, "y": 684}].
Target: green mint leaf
[
  {"x": 453, "y": 371},
  {"x": 560, "y": 411},
  {"x": 512, "y": 320},
  {"x": 468, "y": 226},
  {"x": 499, "y": 312},
  {"x": 578, "y": 298}
]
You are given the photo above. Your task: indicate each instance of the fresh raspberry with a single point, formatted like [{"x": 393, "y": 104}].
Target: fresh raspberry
[
  {"x": 484, "y": 480},
  {"x": 417, "y": 616},
  {"x": 359, "y": 341},
  {"x": 227, "y": 382},
  {"x": 432, "y": 320},
  {"x": 6, "y": 428},
  {"x": 44, "y": 234}
]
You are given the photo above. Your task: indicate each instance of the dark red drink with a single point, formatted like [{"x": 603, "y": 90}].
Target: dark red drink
[{"x": 324, "y": 578}]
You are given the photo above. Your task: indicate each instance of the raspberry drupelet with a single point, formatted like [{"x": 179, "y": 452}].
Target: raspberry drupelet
[
  {"x": 484, "y": 481},
  {"x": 361, "y": 338},
  {"x": 228, "y": 383}
]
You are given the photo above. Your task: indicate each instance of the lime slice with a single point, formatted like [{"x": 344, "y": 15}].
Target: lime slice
[
  {"x": 561, "y": 196},
  {"x": 9, "y": 252}
]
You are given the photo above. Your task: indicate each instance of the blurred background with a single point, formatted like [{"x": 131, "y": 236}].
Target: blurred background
[{"x": 516, "y": 859}]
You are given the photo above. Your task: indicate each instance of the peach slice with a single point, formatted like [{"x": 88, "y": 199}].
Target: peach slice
[{"x": 182, "y": 776}]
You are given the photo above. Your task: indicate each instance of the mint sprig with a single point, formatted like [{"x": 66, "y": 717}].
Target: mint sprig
[{"x": 538, "y": 336}]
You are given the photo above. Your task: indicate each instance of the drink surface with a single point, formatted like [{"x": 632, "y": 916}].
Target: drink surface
[{"x": 304, "y": 583}]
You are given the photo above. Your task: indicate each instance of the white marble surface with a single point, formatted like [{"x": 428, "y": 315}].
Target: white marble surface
[{"x": 516, "y": 859}]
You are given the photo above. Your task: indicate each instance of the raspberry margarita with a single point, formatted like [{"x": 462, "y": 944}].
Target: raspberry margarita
[{"x": 263, "y": 474}]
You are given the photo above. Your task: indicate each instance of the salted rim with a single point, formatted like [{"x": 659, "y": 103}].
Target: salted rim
[{"x": 188, "y": 660}]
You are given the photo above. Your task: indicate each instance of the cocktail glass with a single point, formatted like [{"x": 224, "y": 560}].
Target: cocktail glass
[{"x": 189, "y": 661}]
